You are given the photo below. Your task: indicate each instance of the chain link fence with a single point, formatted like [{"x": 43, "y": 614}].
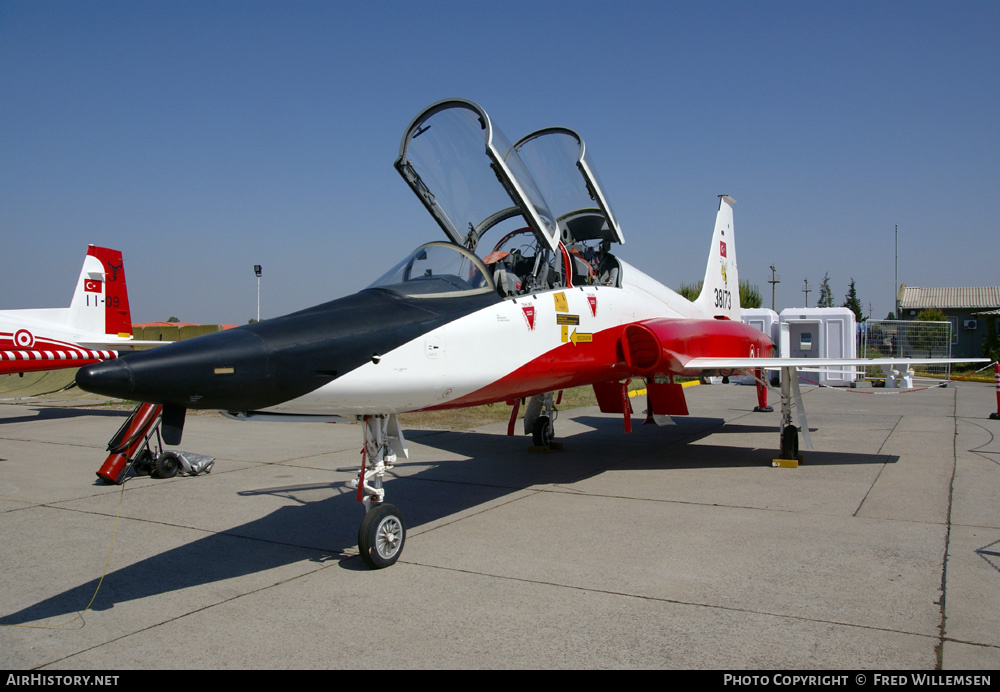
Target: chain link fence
[{"x": 900, "y": 339}]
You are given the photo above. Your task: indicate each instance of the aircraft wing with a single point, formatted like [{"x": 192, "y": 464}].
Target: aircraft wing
[
  {"x": 120, "y": 344},
  {"x": 706, "y": 363},
  {"x": 790, "y": 394}
]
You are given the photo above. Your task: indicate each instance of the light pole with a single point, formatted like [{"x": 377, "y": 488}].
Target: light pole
[
  {"x": 774, "y": 280},
  {"x": 256, "y": 270}
]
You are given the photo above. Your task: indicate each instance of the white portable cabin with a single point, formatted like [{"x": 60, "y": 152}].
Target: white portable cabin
[
  {"x": 766, "y": 320},
  {"x": 822, "y": 333}
]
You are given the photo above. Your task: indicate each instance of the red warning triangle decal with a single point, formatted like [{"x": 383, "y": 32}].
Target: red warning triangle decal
[{"x": 529, "y": 315}]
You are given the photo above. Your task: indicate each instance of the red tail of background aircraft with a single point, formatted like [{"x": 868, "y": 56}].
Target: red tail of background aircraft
[{"x": 92, "y": 329}]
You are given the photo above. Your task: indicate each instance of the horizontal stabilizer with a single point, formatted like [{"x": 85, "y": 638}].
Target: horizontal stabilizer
[
  {"x": 37, "y": 361},
  {"x": 775, "y": 363}
]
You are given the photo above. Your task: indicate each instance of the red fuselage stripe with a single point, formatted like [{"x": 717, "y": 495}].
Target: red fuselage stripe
[{"x": 604, "y": 359}]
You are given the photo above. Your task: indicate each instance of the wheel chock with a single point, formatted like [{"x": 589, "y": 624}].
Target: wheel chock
[
  {"x": 787, "y": 463},
  {"x": 545, "y": 449}
]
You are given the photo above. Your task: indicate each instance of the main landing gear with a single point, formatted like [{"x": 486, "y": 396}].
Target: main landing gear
[
  {"x": 790, "y": 442},
  {"x": 538, "y": 421},
  {"x": 542, "y": 432},
  {"x": 383, "y": 532},
  {"x": 789, "y": 455}
]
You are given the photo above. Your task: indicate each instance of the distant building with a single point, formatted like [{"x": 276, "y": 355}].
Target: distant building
[
  {"x": 968, "y": 310},
  {"x": 174, "y": 331}
]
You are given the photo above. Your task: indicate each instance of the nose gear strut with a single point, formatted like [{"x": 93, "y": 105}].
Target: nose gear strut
[{"x": 383, "y": 531}]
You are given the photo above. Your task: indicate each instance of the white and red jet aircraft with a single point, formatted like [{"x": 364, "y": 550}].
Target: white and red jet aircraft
[
  {"x": 523, "y": 300},
  {"x": 92, "y": 329}
]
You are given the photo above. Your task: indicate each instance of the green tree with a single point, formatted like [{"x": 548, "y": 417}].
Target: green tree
[
  {"x": 749, "y": 295},
  {"x": 931, "y": 315},
  {"x": 991, "y": 347},
  {"x": 825, "y": 294},
  {"x": 851, "y": 301},
  {"x": 691, "y": 291}
]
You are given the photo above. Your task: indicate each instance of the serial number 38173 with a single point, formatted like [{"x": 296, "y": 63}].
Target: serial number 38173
[{"x": 723, "y": 299}]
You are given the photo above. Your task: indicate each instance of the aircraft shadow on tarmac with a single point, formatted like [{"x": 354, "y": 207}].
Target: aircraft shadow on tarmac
[{"x": 320, "y": 527}]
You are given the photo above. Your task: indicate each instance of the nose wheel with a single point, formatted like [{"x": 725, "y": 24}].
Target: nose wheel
[
  {"x": 383, "y": 531},
  {"x": 381, "y": 536}
]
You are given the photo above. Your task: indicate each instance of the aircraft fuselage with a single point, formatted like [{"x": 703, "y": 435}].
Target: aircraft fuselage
[{"x": 377, "y": 352}]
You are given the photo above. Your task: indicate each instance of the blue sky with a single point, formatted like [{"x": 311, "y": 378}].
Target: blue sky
[{"x": 201, "y": 138}]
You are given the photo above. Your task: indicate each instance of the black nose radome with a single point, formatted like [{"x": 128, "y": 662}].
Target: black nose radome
[
  {"x": 214, "y": 371},
  {"x": 112, "y": 378}
]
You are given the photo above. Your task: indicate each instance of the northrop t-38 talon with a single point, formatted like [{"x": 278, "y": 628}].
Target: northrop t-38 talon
[{"x": 522, "y": 300}]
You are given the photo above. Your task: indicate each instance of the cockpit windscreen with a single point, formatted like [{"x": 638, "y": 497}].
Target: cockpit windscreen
[{"x": 437, "y": 270}]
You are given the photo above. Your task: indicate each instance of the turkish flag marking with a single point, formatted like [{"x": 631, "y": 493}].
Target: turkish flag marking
[
  {"x": 722, "y": 248},
  {"x": 92, "y": 285}
]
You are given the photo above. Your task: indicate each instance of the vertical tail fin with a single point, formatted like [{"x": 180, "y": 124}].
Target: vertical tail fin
[
  {"x": 100, "y": 302},
  {"x": 720, "y": 291}
]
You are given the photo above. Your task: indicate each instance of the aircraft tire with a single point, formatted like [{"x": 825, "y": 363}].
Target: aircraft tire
[
  {"x": 542, "y": 433},
  {"x": 166, "y": 466},
  {"x": 790, "y": 442},
  {"x": 381, "y": 536}
]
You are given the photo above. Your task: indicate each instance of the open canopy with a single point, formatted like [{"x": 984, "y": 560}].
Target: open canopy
[
  {"x": 442, "y": 159},
  {"x": 554, "y": 156},
  {"x": 548, "y": 219}
]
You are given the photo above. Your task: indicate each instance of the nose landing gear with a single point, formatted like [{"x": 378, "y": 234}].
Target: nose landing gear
[{"x": 382, "y": 533}]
